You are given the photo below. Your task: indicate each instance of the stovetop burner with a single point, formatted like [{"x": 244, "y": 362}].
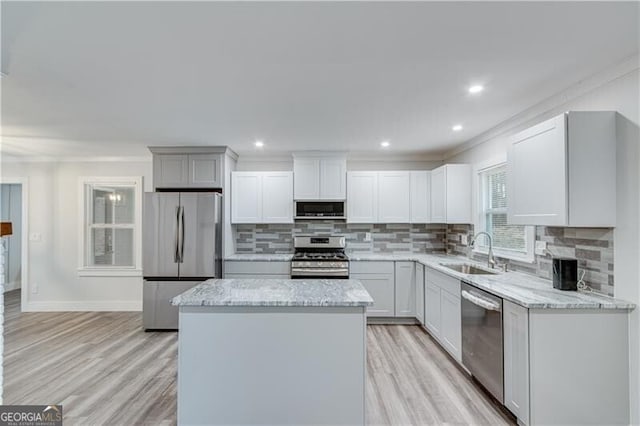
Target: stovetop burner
[{"x": 326, "y": 255}]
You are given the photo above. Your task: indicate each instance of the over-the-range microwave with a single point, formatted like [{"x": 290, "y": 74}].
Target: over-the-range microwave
[{"x": 320, "y": 210}]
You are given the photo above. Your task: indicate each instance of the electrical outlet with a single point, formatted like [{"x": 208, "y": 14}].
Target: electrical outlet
[
  {"x": 34, "y": 288},
  {"x": 35, "y": 237},
  {"x": 464, "y": 239},
  {"x": 541, "y": 248},
  {"x": 367, "y": 236}
]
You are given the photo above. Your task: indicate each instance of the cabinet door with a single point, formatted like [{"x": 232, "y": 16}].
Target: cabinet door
[
  {"x": 277, "y": 197},
  {"x": 420, "y": 292},
  {"x": 537, "y": 175},
  {"x": 420, "y": 196},
  {"x": 362, "y": 190},
  {"x": 451, "y": 323},
  {"x": 205, "y": 171},
  {"x": 394, "y": 205},
  {"x": 438, "y": 195},
  {"x": 432, "y": 308},
  {"x": 333, "y": 179},
  {"x": 246, "y": 197},
  {"x": 516, "y": 360},
  {"x": 458, "y": 193},
  {"x": 306, "y": 178},
  {"x": 170, "y": 171},
  {"x": 405, "y": 289},
  {"x": 381, "y": 288}
]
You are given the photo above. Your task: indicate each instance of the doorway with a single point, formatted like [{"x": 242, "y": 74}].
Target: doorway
[{"x": 11, "y": 211}]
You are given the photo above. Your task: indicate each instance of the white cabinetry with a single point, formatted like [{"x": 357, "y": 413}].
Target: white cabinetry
[
  {"x": 562, "y": 172},
  {"x": 405, "y": 289},
  {"x": 420, "y": 188},
  {"x": 420, "y": 293},
  {"x": 394, "y": 203},
  {"x": 379, "y": 280},
  {"x": 451, "y": 194},
  {"x": 319, "y": 176},
  {"x": 515, "y": 321},
  {"x": 187, "y": 170},
  {"x": 261, "y": 197},
  {"x": 362, "y": 204},
  {"x": 256, "y": 269},
  {"x": 388, "y": 197},
  {"x": 442, "y": 311}
]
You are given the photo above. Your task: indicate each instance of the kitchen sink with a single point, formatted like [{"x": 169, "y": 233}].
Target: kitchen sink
[{"x": 467, "y": 268}]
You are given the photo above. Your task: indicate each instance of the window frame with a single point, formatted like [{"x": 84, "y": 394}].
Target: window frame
[
  {"x": 85, "y": 226},
  {"x": 481, "y": 225}
]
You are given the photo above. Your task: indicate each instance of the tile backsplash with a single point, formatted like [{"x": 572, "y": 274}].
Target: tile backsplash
[
  {"x": 385, "y": 238},
  {"x": 593, "y": 247}
]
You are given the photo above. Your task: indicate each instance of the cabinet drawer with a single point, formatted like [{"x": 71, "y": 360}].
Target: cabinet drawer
[
  {"x": 450, "y": 284},
  {"x": 257, "y": 267},
  {"x": 371, "y": 267}
]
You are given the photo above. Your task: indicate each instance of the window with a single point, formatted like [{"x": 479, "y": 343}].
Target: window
[
  {"x": 111, "y": 234},
  {"x": 509, "y": 241}
]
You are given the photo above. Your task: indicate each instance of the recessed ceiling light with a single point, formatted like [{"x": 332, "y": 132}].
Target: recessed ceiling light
[
  {"x": 259, "y": 144},
  {"x": 385, "y": 144},
  {"x": 476, "y": 89},
  {"x": 457, "y": 127}
]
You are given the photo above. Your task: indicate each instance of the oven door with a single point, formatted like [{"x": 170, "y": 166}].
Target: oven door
[
  {"x": 319, "y": 272},
  {"x": 482, "y": 351}
]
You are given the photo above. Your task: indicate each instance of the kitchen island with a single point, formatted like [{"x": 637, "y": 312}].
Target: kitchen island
[{"x": 272, "y": 351}]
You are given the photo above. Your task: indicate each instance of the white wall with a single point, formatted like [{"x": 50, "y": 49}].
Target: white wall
[
  {"x": 621, "y": 94},
  {"x": 53, "y": 200}
]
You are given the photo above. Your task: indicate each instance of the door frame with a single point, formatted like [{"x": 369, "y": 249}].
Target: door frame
[{"x": 24, "y": 255}]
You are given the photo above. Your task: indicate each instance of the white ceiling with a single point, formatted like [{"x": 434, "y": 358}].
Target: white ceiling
[{"x": 87, "y": 78}]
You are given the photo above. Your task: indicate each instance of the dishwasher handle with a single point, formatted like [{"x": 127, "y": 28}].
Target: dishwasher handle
[{"x": 480, "y": 301}]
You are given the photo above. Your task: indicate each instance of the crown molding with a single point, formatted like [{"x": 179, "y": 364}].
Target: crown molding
[{"x": 582, "y": 87}]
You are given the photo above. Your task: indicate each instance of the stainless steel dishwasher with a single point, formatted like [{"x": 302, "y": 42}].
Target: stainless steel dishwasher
[{"x": 482, "y": 338}]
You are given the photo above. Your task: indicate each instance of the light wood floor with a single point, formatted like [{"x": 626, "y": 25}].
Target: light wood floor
[{"x": 104, "y": 369}]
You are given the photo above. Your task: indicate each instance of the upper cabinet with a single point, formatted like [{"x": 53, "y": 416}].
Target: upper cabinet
[
  {"x": 362, "y": 206},
  {"x": 420, "y": 188},
  {"x": 388, "y": 197},
  {"x": 261, "y": 197},
  {"x": 320, "y": 176},
  {"x": 562, "y": 172},
  {"x": 451, "y": 194},
  {"x": 188, "y": 167},
  {"x": 394, "y": 202}
]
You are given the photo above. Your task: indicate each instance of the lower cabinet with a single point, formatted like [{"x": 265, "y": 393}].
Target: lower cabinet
[
  {"x": 515, "y": 320},
  {"x": 419, "y": 279},
  {"x": 432, "y": 308},
  {"x": 451, "y": 326},
  {"x": 443, "y": 312},
  {"x": 257, "y": 269},
  {"x": 379, "y": 280},
  {"x": 405, "y": 289}
]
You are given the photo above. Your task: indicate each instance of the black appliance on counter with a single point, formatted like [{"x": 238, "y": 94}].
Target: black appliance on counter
[{"x": 565, "y": 274}]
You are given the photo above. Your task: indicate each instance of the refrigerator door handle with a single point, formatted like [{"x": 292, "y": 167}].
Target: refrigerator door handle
[
  {"x": 176, "y": 240},
  {"x": 181, "y": 234}
]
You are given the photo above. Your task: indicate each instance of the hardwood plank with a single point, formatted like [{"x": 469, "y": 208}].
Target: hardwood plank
[{"x": 105, "y": 369}]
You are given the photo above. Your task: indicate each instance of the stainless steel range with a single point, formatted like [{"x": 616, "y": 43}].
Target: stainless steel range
[{"x": 319, "y": 257}]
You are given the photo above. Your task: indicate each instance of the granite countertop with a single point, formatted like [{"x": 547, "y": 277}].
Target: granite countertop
[
  {"x": 264, "y": 257},
  {"x": 524, "y": 289},
  {"x": 275, "y": 292}
]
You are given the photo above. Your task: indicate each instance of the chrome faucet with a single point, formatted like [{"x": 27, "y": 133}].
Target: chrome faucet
[{"x": 491, "y": 261}]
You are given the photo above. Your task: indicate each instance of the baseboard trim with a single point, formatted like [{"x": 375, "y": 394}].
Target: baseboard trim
[
  {"x": 85, "y": 306},
  {"x": 392, "y": 321}
]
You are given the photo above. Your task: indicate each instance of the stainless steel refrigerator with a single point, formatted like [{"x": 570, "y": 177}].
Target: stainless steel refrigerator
[{"x": 182, "y": 246}]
